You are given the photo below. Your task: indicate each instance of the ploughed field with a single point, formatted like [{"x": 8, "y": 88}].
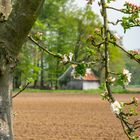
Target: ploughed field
[{"x": 66, "y": 117}]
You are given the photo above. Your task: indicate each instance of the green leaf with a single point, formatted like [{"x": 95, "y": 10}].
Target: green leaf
[{"x": 81, "y": 69}]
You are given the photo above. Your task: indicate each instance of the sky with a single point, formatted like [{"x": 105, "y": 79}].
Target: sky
[{"x": 131, "y": 39}]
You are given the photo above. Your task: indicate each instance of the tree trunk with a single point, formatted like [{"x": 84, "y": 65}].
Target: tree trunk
[
  {"x": 42, "y": 71},
  {"x": 17, "y": 80},
  {"x": 57, "y": 75},
  {"x": 78, "y": 42},
  {"x": 36, "y": 63},
  {"x": 5, "y": 7},
  {"x": 13, "y": 34},
  {"x": 6, "y": 132}
]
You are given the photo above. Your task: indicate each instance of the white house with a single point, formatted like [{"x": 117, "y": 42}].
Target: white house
[{"x": 89, "y": 81}]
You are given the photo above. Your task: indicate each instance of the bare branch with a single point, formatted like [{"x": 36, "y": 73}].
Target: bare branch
[
  {"x": 43, "y": 48},
  {"x": 114, "y": 23},
  {"x": 124, "y": 129},
  {"x": 55, "y": 54},
  {"x": 129, "y": 54},
  {"x": 21, "y": 90},
  {"x": 106, "y": 45},
  {"x": 119, "y": 10}
]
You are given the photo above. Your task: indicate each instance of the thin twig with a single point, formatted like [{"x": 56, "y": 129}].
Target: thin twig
[
  {"x": 43, "y": 48},
  {"x": 51, "y": 53},
  {"x": 113, "y": 8},
  {"x": 21, "y": 90},
  {"x": 97, "y": 45},
  {"x": 114, "y": 23},
  {"x": 124, "y": 129},
  {"x": 129, "y": 54},
  {"x": 119, "y": 10},
  {"x": 137, "y": 127},
  {"x": 114, "y": 73},
  {"x": 136, "y": 25}
]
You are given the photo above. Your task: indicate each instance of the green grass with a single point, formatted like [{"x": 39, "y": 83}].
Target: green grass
[
  {"x": 134, "y": 86},
  {"x": 93, "y": 91},
  {"x": 115, "y": 90}
]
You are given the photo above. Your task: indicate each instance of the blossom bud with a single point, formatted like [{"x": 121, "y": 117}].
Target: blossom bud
[
  {"x": 116, "y": 36},
  {"x": 97, "y": 30},
  {"x": 111, "y": 79}
]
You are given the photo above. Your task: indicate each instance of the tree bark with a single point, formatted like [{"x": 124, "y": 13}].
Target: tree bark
[
  {"x": 6, "y": 131},
  {"x": 5, "y": 8},
  {"x": 42, "y": 71},
  {"x": 13, "y": 34}
]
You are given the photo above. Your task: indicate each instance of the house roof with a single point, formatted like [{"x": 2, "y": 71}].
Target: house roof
[
  {"x": 66, "y": 74},
  {"x": 90, "y": 75}
]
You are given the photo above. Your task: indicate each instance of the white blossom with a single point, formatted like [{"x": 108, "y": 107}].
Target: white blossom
[
  {"x": 65, "y": 59},
  {"x": 70, "y": 56},
  {"x": 127, "y": 75},
  {"x": 116, "y": 107},
  {"x": 125, "y": 71},
  {"x": 111, "y": 79}
]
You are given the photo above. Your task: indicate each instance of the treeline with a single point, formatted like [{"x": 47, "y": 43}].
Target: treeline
[{"x": 63, "y": 28}]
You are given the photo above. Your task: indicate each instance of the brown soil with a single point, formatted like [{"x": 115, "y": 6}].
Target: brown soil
[{"x": 65, "y": 117}]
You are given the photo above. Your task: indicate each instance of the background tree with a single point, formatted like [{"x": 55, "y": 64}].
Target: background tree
[
  {"x": 65, "y": 34},
  {"x": 68, "y": 33},
  {"x": 135, "y": 70}
]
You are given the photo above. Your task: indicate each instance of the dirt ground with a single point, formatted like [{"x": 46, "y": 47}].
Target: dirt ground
[{"x": 65, "y": 117}]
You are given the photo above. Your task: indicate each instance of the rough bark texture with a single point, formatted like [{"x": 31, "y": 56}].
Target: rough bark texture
[
  {"x": 5, "y": 8},
  {"x": 5, "y": 107},
  {"x": 13, "y": 34}
]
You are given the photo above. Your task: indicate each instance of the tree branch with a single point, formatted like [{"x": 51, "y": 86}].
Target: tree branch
[
  {"x": 43, "y": 48},
  {"x": 52, "y": 53},
  {"x": 21, "y": 90},
  {"x": 106, "y": 44},
  {"x": 119, "y": 10},
  {"x": 115, "y": 23},
  {"x": 129, "y": 54}
]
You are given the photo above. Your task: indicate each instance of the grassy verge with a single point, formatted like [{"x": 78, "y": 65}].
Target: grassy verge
[
  {"x": 93, "y": 91},
  {"x": 134, "y": 86}
]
